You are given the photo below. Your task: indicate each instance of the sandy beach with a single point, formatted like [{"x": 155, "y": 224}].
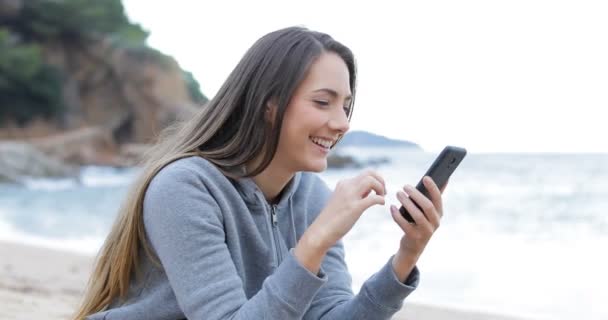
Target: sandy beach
[{"x": 41, "y": 283}]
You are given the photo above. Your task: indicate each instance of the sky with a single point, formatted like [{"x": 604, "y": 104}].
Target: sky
[{"x": 490, "y": 76}]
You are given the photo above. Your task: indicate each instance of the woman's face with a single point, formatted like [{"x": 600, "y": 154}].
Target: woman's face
[{"x": 316, "y": 116}]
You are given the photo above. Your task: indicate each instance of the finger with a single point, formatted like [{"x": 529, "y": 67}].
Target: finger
[
  {"x": 419, "y": 217},
  {"x": 406, "y": 226},
  {"x": 370, "y": 183},
  {"x": 434, "y": 193},
  {"x": 420, "y": 199},
  {"x": 424, "y": 204},
  {"x": 377, "y": 176}
]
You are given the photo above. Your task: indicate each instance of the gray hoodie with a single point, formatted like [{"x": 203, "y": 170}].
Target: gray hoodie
[{"x": 227, "y": 254}]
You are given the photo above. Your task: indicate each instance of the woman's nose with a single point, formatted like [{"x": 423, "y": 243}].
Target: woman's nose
[{"x": 339, "y": 121}]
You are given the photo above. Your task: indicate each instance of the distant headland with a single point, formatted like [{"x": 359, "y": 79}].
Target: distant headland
[{"x": 368, "y": 139}]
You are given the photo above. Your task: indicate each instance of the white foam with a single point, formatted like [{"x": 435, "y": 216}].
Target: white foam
[
  {"x": 49, "y": 184},
  {"x": 90, "y": 176},
  {"x": 88, "y": 245},
  {"x": 93, "y": 176}
]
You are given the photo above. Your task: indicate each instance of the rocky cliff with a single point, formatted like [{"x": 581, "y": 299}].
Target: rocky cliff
[{"x": 114, "y": 93}]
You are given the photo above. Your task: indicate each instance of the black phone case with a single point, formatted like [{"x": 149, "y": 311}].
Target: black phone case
[{"x": 440, "y": 171}]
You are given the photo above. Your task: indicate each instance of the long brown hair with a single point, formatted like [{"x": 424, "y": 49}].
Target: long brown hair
[{"x": 230, "y": 131}]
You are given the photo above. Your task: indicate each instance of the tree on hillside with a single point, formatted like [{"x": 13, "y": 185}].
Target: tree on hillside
[{"x": 29, "y": 87}]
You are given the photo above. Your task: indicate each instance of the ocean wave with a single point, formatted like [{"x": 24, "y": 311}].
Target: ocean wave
[
  {"x": 88, "y": 245},
  {"x": 90, "y": 176}
]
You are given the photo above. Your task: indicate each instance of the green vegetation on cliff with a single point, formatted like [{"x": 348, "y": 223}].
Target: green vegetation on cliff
[
  {"x": 76, "y": 19},
  {"x": 30, "y": 86}
]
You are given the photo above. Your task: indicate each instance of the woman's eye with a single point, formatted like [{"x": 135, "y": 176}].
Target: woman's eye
[{"x": 322, "y": 102}]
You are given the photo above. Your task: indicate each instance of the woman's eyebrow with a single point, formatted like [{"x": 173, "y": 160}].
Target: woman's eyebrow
[{"x": 333, "y": 93}]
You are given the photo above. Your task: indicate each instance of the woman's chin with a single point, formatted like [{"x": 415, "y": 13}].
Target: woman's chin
[
  {"x": 313, "y": 165},
  {"x": 319, "y": 165}
]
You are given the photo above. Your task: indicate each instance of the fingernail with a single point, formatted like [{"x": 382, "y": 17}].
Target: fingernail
[{"x": 393, "y": 207}]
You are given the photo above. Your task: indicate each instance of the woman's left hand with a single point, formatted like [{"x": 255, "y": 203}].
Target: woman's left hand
[{"x": 416, "y": 235}]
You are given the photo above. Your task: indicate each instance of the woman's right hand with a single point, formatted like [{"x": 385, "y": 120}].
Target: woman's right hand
[{"x": 347, "y": 203}]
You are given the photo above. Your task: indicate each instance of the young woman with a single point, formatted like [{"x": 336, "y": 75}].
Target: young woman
[{"x": 228, "y": 219}]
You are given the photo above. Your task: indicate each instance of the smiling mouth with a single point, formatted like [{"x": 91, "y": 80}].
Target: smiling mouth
[{"x": 323, "y": 143}]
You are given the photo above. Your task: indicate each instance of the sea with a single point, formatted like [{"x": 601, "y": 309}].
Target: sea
[{"x": 522, "y": 234}]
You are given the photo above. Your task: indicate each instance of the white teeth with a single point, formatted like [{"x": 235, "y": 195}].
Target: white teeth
[{"x": 322, "y": 142}]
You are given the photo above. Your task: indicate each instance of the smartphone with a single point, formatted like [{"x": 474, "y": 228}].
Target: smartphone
[{"x": 441, "y": 169}]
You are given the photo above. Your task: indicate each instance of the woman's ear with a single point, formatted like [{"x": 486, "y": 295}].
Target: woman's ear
[{"x": 270, "y": 111}]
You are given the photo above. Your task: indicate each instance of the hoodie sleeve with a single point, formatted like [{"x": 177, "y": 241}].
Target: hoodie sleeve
[
  {"x": 380, "y": 297},
  {"x": 185, "y": 228}
]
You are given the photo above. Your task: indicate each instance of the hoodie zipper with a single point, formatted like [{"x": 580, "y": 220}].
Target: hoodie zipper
[{"x": 275, "y": 237}]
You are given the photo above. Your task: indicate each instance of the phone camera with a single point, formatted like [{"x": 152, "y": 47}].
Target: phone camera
[{"x": 453, "y": 161}]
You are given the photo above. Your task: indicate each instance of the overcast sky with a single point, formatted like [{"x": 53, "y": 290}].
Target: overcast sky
[{"x": 491, "y": 76}]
